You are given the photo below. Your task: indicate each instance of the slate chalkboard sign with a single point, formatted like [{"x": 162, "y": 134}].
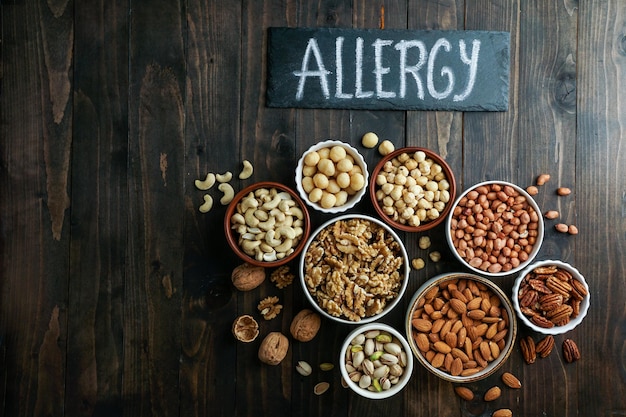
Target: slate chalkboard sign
[{"x": 388, "y": 69}]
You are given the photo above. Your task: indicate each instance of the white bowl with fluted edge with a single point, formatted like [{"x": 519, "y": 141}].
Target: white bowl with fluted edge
[
  {"x": 345, "y": 356},
  {"x": 352, "y": 199},
  {"x": 556, "y": 329}
]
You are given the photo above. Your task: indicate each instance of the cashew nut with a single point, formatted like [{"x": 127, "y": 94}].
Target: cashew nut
[
  {"x": 287, "y": 232},
  {"x": 297, "y": 212},
  {"x": 285, "y": 246},
  {"x": 237, "y": 219},
  {"x": 249, "y": 202},
  {"x": 228, "y": 191},
  {"x": 251, "y": 219},
  {"x": 207, "y": 183},
  {"x": 207, "y": 205},
  {"x": 272, "y": 204},
  {"x": 269, "y": 257},
  {"x": 225, "y": 177},
  {"x": 247, "y": 170},
  {"x": 271, "y": 239},
  {"x": 269, "y": 224},
  {"x": 249, "y": 246}
]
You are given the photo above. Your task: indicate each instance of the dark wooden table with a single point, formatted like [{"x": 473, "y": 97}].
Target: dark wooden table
[{"x": 115, "y": 290}]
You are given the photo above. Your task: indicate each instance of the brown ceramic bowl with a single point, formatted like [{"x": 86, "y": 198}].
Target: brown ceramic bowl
[
  {"x": 436, "y": 293},
  {"x": 267, "y": 224},
  {"x": 424, "y": 211}
]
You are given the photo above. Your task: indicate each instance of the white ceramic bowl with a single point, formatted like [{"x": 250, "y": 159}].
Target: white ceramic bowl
[
  {"x": 556, "y": 329},
  {"x": 453, "y": 216},
  {"x": 508, "y": 338},
  {"x": 352, "y": 199},
  {"x": 345, "y": 355},
  {"x": 403, "y": 272}
]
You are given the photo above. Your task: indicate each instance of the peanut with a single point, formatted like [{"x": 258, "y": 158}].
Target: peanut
[
  {"x": 561, "y": 227},
  {"x": 542, "y": 179},
  {"x": 551, "y": 214},
  {"x": 563, "y": 191},
  {"x": 532, "y": 190},
  {"x": 494, "y": 228},
  {"x": 572, "y": 230}
]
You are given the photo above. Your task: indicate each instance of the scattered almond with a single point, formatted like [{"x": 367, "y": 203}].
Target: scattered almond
[
  {"x": 464, "y": 393},
  {"x": 503, "y": 412},
  {"x": 492, "y": 393},
  {"x": 551, "y": 214},
  {"x": 542, "y": 179},
  {"x": 563, "y": 191},
  {"x": 511, "y": 380}
]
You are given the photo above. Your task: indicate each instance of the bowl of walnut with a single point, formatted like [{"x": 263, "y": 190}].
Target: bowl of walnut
[
  {"x": 266, "y": 224},
  {"x": 412, "y": 189},
  {"x": 376, "y": 361},
  {"x": 354, "y": 269},
  {"x": 461, "y": 326},
  {"x": 331, "y": 176},
  {"x": 551, "y": 297}
]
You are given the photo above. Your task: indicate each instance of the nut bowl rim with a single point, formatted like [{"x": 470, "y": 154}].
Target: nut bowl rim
[
  {"x": 449, "y": 177},
  {"x": 406, "y": 376},
  {"x": 230, "y": 234},
  {"x": 352, "y": 200},
  {"x": 556, "y": 330},
  {"x": 536, "y": 247},
  {"x": 510, "y": 337},
  {"x": 390, "y": 306}
]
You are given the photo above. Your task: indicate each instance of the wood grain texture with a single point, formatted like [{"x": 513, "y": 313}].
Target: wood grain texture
[{"x": 115, "y": 291}]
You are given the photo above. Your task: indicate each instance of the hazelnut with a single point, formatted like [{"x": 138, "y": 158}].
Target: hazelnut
[
  {"x": 247, "y": 277},
  {"x": 273, "y": 348},
  {"x": 305, "y": 325}
]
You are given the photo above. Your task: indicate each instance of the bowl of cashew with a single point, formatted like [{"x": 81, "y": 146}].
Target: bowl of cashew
[{"x": 267, "y": 224}]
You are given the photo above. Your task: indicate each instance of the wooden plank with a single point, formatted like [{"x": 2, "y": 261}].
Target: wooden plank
[
  {"x": 212, "y": 144},
  {"x": 154, "y": 256},
  {"x": 36, "y": 107},
  {"x": 99, "y": 210},
  {"x": 600, "y": 205}
]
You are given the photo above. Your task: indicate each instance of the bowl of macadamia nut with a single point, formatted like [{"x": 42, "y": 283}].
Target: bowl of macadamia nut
[
  {"x": 354, "y": 269},
  {"x": 376, "y": 361},
  {"x": 412, "y": 189},
  {"x": 461, "y": 326},
  {"x": 551, "y": 297},
  {"x": 267, "y": 224},
  {"x": 331, "y": 176},
  {"x": 495, "y": 228}
]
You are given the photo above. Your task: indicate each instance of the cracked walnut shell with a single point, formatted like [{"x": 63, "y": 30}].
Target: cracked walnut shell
[
  {"x": 245, "y": 328},
  {"x": 305, "y": 325},
  {"x": 273, "y": 348},
  {"x": 247, "y": 277}
]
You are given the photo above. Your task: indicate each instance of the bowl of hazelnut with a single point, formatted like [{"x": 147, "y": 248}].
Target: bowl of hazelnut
[
  {"x": 412, "y": 189},
  {"x": 461, "y": 326},
  {"x": 354, "y": 269},
  {"x": 376, "y": 361},
  {"x": 267, "y": 224},
  {"x": 495, "y": 228},
  {"x": 331, "y": 176},
  {"x": 551, "y": 297}
]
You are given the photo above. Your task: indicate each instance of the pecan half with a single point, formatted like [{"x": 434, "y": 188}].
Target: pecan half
[
  {"x": 544, "y": 346},
  {"x": 541, "y": 321},
  {"x": 527, "y": 346},
  {"x": 570, "y": 351},
  {"x": 561, "y": 314}
]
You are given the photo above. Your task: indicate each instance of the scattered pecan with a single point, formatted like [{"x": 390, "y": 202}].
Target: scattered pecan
[
  {"x": 527, "y": 345},
  {"x": 545, "y": 346},
  {"x": 570, "y": 351}
]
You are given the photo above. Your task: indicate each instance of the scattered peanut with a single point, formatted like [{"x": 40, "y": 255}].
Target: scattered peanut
[
  {"x": 572, "y": 230},
  {"x": 551, "y": 214},
  {"x": 386, "y": 147},
  {"x": 563, "y": 191},
  {"x": 532, "y": 190},
  {"x": 247, "y": 170},
  {"x": 542, "y": 179},
  {"x": 561, "y": 227},
  {"x": 207, "y": 183},
  {"x": 369, "y": 140},
  {"x": 207, "y": 205}
]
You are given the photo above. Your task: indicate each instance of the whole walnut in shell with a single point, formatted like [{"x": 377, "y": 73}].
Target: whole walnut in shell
[
  {"x": 305, "y": 325},
  {"x": 247, "y": 277},
  {"x": 273, "y": 348}
]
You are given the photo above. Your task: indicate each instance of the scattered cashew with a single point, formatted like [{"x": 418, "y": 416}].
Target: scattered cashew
[
  {"x": 225, "y": 177},
  {"x": 207, "y": 183},
  {"x": 207, "y": 205},
  {"x": 247, "y": 170},
  {"x": 228, "y": 191}
]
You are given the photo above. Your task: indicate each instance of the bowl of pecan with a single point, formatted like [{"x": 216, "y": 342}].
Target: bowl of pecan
[
  {"x": 551, "y": 297},
  {"x": 461, "y": 326},
  {"x": 331, "y": 176},
  {"x": 266, "y": 224},
  {"x": 412, "y": 189},
  {"x": 354, "y": 269},
  {"x": 495, "y": 228}
]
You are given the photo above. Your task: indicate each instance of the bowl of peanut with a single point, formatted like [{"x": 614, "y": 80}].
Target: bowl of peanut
[
  {"x": 461, "y": 326},
  {"x": 354, "y": 269},
  {"x": 267, "y": 224},
  {"x": 495, "y": 228},
  {"x": 551, "y": 297},
  {"x": 412, "y": 189},
  {"x": 376, "y": 361},
  {"x": 331, "y": 176}
]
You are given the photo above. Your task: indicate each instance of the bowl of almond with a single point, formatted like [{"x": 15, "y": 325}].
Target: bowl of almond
[
  {"x": 551, "y": 297},
  {"x": 461, "y": 326}
]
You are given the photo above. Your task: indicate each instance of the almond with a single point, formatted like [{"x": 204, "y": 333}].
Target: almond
[
  {"x": 458, "y": 305},
  {"x": 464, "y": 393},
  {"x": 503, "y": 412},
  {"x": 511, "y": 380},
  {"x": 492, "y": 393}
]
